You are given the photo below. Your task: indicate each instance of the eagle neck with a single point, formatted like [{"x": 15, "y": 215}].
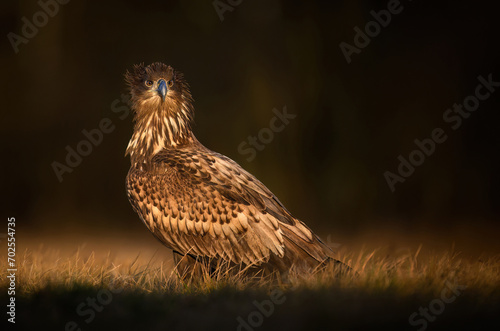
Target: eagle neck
[{"x": 156, "y": 130}]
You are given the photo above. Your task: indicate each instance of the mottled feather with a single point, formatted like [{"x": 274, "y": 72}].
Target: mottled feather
[{"x": 196, "y": 201}]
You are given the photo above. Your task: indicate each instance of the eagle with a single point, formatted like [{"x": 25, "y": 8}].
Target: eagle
[{"x": 199, "y": 203}]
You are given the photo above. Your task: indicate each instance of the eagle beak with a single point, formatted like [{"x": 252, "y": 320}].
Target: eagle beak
[{"x": 162, "y": 89}]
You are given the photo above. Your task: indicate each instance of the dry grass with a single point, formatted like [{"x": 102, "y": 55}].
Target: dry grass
[
  {"x": 53, "y": 282},
  {"x": 376, "y": 271}
]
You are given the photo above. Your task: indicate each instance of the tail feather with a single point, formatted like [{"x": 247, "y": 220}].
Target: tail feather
[{"x": 306, "y": 255}]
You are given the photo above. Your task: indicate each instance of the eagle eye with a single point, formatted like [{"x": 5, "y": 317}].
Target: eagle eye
[
  {"x": 148, "y": 83},
  {"x": 170, "y": 83}
]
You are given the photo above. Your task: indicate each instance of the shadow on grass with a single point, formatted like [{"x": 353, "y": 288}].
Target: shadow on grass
[{"x": 326, "y": 308}]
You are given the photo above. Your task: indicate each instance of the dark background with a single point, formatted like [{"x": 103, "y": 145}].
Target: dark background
[{"x": 327, "y": 165}]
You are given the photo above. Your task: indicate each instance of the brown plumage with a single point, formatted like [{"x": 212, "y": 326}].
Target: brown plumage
[{"x": 197, "y": 202}]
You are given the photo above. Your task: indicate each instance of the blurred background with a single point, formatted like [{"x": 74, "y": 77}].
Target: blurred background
[{"x": 352, "y": 120}]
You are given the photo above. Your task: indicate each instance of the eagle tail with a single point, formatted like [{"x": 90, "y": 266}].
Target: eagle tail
[{"x": 308, "y": 255}]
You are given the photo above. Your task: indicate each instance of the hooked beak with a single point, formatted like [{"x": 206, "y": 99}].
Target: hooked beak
[{"x": 162, "y": 89}]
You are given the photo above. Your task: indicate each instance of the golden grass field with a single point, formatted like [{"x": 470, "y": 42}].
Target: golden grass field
[{"x": 127, "y": 283}]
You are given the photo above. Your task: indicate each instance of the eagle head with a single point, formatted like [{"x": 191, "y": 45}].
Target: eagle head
[
  {"x": 158, "y": 87},
  {"x": 162, "y": 104}
]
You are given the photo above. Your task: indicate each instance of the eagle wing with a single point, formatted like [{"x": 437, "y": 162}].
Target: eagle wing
[{"x": 204, "y": 204}]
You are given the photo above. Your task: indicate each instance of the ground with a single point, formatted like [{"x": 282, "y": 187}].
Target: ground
[{"x": 126, "y": 282}]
